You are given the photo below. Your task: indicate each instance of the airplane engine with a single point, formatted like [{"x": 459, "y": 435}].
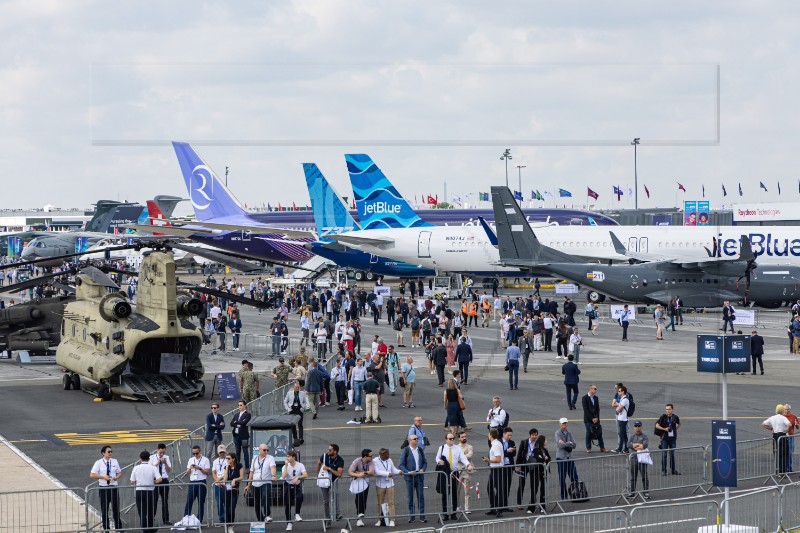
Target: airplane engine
[{"x": 114, "y": 306}]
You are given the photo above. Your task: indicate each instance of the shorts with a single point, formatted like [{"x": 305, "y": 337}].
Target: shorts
[
  {"x": 409, "y": 388},
  {"x": 415, "y": 332}
]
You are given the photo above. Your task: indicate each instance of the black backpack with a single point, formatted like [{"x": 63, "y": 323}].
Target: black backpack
[
  {"x": 631, "y": 405},
  {"x": 595, "y": 431}
]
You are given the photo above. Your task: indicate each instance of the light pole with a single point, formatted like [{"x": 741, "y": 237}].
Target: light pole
[
  {"x": 519, "y": 169},
  {"x": 506, "y": 155},
  {"x": 635, "y": 143}
]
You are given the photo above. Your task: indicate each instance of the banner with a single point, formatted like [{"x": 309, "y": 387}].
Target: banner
[
  {"x": 690, "y": 213},
  {"x": 745, "y": 317},
  {"x": 386, "y": 291},
  {"x": 703, "y": 208},
  {"x": 662, "y": 220},
  {"x": 723, "y": 453},
  {"x": 616, "y": 312},
  {"x": 567, "y": 288}
]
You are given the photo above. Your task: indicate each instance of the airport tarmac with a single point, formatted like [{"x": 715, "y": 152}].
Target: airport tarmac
[{"x": 63, "y": 430}]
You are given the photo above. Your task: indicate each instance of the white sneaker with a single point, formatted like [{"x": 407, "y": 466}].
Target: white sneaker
[
  {"x": 360, "y": 516},
  {"x": 391, "y": 523},
  {"x": 231, "y": 530},
  {"x": 267, "y": 520},
  {"x": 298, "y": 518},
  {"x": 359, "y": 523},
  {"x": 289, "y": 526},
  {"x": 378, "y": 523}
]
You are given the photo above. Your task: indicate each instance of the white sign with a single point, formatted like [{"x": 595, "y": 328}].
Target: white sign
[
  {"x": 171, "y": 363},
  {"x": 745, "y": 317},
  {"x": 755, "y": 212},
  {"x": 383, "y": 290},
  {"x": 566, "y": 288},
  {"x": 616, "y": 312}
]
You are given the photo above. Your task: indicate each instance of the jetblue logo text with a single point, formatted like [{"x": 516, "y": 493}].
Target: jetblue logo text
[{"x": 381, "y": 207}]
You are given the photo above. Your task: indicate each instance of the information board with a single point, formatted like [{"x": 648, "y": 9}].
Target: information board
[
  {"x": 227, "y": 386},
  {"x": 723, "y": 353},
  {"x": 723, "y": 453},
  {"x": 616, "y": 312},
  {"x": 171, "y": 363},
  {"x": 383, "y": 290},
  {"x": 567, "y": 288}
]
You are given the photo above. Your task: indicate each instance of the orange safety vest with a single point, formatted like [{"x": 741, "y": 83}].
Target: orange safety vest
[
  {"x": 473, "y": 309},
  {"x": 465, "y": 308}
]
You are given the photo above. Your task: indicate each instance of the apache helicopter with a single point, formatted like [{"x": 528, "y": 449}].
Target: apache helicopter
[{"x": 145, "y": 351}]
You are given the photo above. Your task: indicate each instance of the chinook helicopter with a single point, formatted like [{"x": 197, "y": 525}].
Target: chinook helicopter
[{"x": 149, "y": 350}]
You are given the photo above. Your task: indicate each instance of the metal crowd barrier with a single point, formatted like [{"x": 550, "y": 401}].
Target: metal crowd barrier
[
  {"x": 45, "y": 511},
  {"x": 756, "y": 509},
  {"x": 674, "y": 517},
  {"x": 509, "y": 525},
  {"x": 605, "y": 520}
]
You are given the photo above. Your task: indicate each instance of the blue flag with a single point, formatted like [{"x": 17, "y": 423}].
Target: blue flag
[
  {"x": 518, "y": 195},
  {"x": 761, "y": 184},
  {"x": 779, "y": 188},
  {"x": 724, "y": 191},
  {"x": 563, "y": 193},
  {"x": 740, "y": 189}
]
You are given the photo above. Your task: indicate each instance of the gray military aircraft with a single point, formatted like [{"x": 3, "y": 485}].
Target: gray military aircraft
[{"x": 707, "y": 282}]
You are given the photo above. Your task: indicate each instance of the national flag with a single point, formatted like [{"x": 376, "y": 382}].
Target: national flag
[
  {"x": 681, "y": 187},
  {"x": 724, "y": 190},
  {"x": 269, "y": 207},
  {"x": 294, "y": 206},
  {"x": 456, "y": 199},
  {"x": 539, "y": 196},
  {"x": 483, "y": 196},
  {"x": 618, "y": 192},
  {"x": 563, "y": 193},
  {"x": 590, "y": 192},
  {"x": 548, "y": 194},
  {"x": 704, "y": 190},
  {"x": 432, "y": 200},
  {"x": 740, "y": 189},
  {"x": 761, "y": 184},
  {"x": 779, "y": 188},
  {"x": 630, "y": 191},
  {"x": 518, "y": 196},
  {"x": 279, "y": 207},
  {"x": 647, "y": 191}
]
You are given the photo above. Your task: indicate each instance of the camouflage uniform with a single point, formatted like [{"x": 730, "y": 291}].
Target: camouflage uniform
[
  {"x": 301, "y": 359},
  {"x": 281, "y": 375},
  {"x": 249, "y": 386}
]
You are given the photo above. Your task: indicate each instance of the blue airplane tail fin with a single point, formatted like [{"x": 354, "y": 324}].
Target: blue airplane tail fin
[
  {"x": 378, "y": 202},
  {"x": 209, "y": 196},
  {"x": 330, "y": 213}
]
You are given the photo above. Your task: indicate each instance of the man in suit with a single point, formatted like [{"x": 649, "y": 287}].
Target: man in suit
[
  {"x": 728, "y": 316},
  {"x": 509, "y": 456},
  {"x": 524, "y": 459},
  {"x": 757, "y": 351},
  {"x": 241, "y": 433},
  {"x": 571, "y": 379},
  {"x": 413, "y": 464},
  {"x": 295, "y": 402},
  {"x": 591, "y": 415},
  {"x": 215, "y": 423}
]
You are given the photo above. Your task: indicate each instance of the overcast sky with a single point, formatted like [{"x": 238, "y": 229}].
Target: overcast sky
[{"x": 90, "y": 93}]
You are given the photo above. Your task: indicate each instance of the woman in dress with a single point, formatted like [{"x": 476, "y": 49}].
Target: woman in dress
[
  {"x": 450, "y": 345},
  {"x": 541, "y": 458},
  {"x": 452, "y": 406}
]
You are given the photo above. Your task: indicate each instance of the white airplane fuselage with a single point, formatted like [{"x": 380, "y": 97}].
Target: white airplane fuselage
[{"x": 468, "y": 249}]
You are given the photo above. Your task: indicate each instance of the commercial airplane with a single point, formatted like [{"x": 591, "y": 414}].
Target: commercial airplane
[
  {"x": 705, "y": 283},
  {"x": 223, "y": 223},
  {"x": 469, "y": 249},
  {"x": 331, "y": 217}
]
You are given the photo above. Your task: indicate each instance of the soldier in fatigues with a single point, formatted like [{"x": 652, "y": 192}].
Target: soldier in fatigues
[
  {"x": 301, "y": 358},
  {"x": 250, "y": 384},
  {"x": 281, "y": 373}
]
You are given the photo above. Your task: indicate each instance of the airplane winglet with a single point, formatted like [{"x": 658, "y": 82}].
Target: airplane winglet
[
  {"x": 489, "y": 233},
  {"x": 618, "y": 246}
]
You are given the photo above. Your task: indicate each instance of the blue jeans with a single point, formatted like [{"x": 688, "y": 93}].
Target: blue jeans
[
  {"x": 196, "y": 489},
  {"x": 219, "y": 502},
  {"x": 622, "y": 435},
  {"x": 276, "y": 344},
  {"x": 358, "y": 392},
  {"x": 513, "y": 373},
  {"x": 566, "y": 468},
  {"x": 240, "y": 443},
  {"x": 668, "y": 443},
  {"x": 417, "y": 483}
]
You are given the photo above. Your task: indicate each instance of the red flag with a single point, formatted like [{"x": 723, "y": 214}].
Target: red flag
[
  {"x": 590, "y": 192},
  {"x": 294, "y": 206},
  {"x": 279, "y": 207},
  {"x": 681, "y": 187},
  {"x": 647, "y": 191},
  {"x": 432, "y": 200}
]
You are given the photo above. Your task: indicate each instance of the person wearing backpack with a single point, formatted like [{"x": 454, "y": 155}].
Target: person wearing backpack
[
  {"x": 622, "y": 404},
  {"x": 415, "y": 332}
]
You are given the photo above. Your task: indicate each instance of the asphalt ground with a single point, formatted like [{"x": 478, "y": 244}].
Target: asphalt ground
[{"x": 64, "y": 430}]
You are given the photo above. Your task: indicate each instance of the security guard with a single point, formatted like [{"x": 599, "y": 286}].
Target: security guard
[
  {"x": 164, "y": 466},
  {"x": 145, "y": 477}
]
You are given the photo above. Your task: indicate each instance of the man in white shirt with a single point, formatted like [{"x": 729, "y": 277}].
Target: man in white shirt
[
  {"x": 145, "y": 476},
  {"x": 262, "y": 472},
  {"x": 161, "y": 461},
  {"x": 497, "y": 491},
  {"x": 197, "y": 469},
  {"x": 384, "y": 483},
  {"x": 621, "y": 406},
  {"x": 108, "y": 472},
  {"x": 451, "y": 456},
  {"x": 293, "y": 473},
  {"x": 218, "y": 475},
  {"x": 779, "y": 425},
  {"x": 497, "y": 415},
  {"x": 466, "y": 473}
]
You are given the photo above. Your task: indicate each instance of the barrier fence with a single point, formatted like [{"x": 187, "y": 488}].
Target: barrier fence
[
  {"x": 23, "y": 511},
  {"x": 673, "y": 517}
]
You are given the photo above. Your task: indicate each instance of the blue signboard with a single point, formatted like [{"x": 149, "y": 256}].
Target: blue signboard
[
  {"x": 227, "y": 385},
  {"x": 723, "y": 453},
  {"x": 723, "y": 353}
]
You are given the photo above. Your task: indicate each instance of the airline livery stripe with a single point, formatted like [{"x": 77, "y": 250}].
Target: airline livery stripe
[{"x": 122, "y": 436}]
